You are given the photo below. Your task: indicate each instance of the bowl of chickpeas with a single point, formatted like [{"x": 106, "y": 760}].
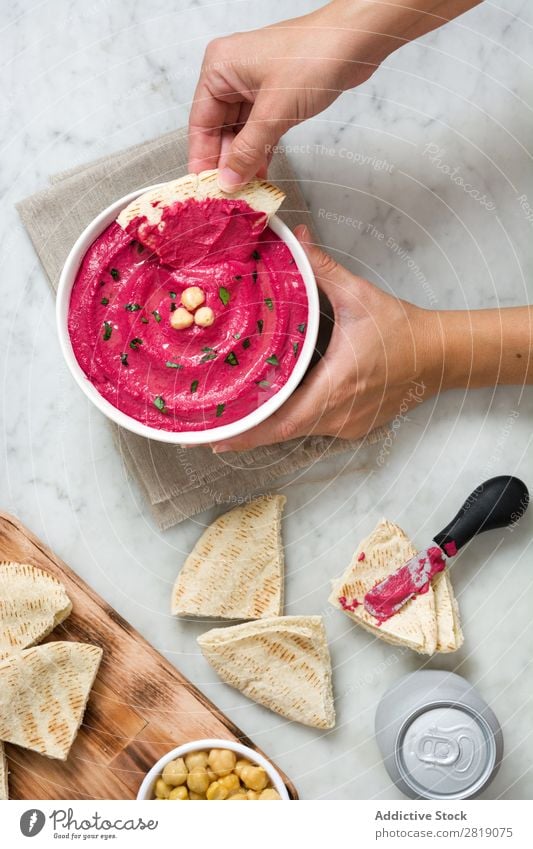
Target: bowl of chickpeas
[{"x": 213, "y": 770}]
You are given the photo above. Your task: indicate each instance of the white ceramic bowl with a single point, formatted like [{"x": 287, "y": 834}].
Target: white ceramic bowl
[
  {"x": 215, "y": 434},
  {"x": 146, "y": 790}
]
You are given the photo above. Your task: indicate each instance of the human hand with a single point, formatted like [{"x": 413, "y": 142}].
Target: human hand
[
  {"x": 385, "y": 355},
  {"x": 255, "y": 85}
]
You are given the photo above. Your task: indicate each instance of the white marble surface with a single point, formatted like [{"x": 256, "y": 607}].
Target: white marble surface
[{"x": 85, "y": 78}]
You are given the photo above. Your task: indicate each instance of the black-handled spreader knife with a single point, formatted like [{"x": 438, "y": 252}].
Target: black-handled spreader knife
[{"x": 496, "y": 503}]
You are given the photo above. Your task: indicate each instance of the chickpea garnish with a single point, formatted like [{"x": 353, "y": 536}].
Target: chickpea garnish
[
  {"x": 269, "y": 793},
  {"x": 241, "y": 763},
  {"x": 203, "y": 317},
  {"x": 240, "y": 794},
  {"x": 222, "y": 761},
  {"x": 192, "y": 297},
  {"x": 175, "y": 772},
  {"x": 216, "y": 790},
  {"x": 196, "y": 759},
  {"x": 162, "y": 789},
  {"x": 230, "y": 782},
  {"x": 198, "y": 780},
  {"x": 254, "y": 777},
  {"x": 181, "y": 319},
  {"x": 251, "y": 794},
  {"x": 179, "y": 793},
  {"x": 195, "y": 797}
]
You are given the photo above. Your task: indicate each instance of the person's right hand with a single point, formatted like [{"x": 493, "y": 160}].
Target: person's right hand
[{"x": 254, "y": 85}]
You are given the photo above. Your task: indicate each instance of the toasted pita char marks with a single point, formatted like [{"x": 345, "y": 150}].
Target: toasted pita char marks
[
  {"x": 4, "y": 788},
  {"x": 282, "y": 663},
  {"x": 259, "y": 194},
  {"x": 236, "y": 569},
  {"x": 427, "y": 623},
  {"x": 43, "y": 694},
  {"x": 32, "y": 603}
]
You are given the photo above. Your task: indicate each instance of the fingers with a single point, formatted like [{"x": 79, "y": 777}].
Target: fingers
[
  {"x": 300, "y": 416},
  {"x": 206, "y": 121},
  {"x": 330, "y": 276}
]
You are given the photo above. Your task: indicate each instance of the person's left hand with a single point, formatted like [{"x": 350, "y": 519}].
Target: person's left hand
[{"x": 385, "y": 355}]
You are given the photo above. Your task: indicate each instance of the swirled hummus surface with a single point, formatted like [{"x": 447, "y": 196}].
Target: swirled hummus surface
[{"x": 130, "y": 283}]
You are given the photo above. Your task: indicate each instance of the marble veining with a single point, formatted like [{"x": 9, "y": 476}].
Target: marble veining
[{"x": 85, "y": 79}]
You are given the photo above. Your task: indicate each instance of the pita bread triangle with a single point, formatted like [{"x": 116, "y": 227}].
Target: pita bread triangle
[
  {"x": 43, "y": 694},
  {"x": 260, "y": 195},
  {"x": 32, "y": 603},
  {"x": 416, "y": 625},
  {"x": 282, "y": 663},
  {"x": 236, "y": 569},
  {"x": 4, "y": 789}
]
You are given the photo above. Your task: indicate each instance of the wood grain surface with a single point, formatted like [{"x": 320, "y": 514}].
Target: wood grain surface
[{"x": 139, "y": 708}]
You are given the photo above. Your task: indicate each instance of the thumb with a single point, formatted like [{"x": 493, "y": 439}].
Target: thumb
[
  {"x": 251, "y": 148},
  {"x": 330, "y": 276}
]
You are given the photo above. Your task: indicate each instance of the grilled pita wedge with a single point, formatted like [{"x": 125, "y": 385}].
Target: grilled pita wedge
[
  {"x": 32, "y": 603},
  {"x": 418, "y": 625},
  {"x": 4, "y": 788},
  {"x": 259, "y": 195},
  {"x": 282, "y": 663},
  {"x": 43, "y": 694},
  {"x": 236, "y": 568}
]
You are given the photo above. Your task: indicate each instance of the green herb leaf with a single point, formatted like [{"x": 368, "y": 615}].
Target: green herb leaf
[
  {"x": 231, "y": 359},
  {"x": 245, "y": 343},
  {"x": 124, "y": 359},
  {"x": 172, "y": 295},
  {"x": 260, "y": 325},
  {"x": 301, "y": 327},
  {"x": 237, "y": 336},
  {"x": 133, "y": 307},
  {"x": 159, "y": 402},
  {"x": 238, "y": 277},
  {"x": 269, "y": 303},
  {"x": 220, "y": 410},
  {"x": 144, "y": 320},
  {"x": 256, "y": 255},
  {"x": 194, "y": 386},
  {"x": 272, "y": 360},
  {"x": 104, "y": 302},
  {"x": 295, "y": 346},
  {"x": 263, "y": 384},
  {"x": 254, "y": 276},
  {"x": 170, "y": 364},
  {"x": 135, "y": 342},
  {"x": 211, "y": 355},
  {"x": 173, "y": 307},
  {"x": 156, "y": 315},
  {"x": 108, "y": 330},
  {"x": 115, "y": 273},
  {"x": 224, "y": 295}
]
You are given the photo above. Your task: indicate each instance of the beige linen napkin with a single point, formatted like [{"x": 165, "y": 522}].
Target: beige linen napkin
[{"x": 178, "y": 482}]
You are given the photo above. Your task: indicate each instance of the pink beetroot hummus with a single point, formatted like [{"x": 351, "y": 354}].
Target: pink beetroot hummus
[{"x": 200, "y": 377}]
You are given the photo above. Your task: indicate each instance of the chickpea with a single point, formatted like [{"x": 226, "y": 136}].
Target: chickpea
[
  {"x": 269, "y": 793},
  {"x": 254, "y": 777},
  {"x": 196, "y": 796},
  {"x": 162, "y": 789},
  {"x": 198, "y": 780},
  {"x": 194, "y": 759},
  {"x": 241, "y": 763},
  {"x": 222, "y": 761},
  {"x": 192, "y": 297},
  {"x": 240, "y": 794},
  {"x": 216, "y": 791},
  {"x": 212, "y": 775},
  {"x": 181, "y": 318},
  {"x": 179, "y": 793},
  {"x": 251, "y": 794},
  {"x": 175, "y": 772},
  {"x": 204, "y": 317},
  {"x": 230, "y": 782}
]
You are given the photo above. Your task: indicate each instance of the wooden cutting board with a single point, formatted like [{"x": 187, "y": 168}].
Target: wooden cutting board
[{"x": 139, "y": 708}]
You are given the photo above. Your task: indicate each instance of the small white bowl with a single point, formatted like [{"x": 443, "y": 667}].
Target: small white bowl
[
  {"x": 215, "y": 434},
  {"x": 146, "y": 790}
]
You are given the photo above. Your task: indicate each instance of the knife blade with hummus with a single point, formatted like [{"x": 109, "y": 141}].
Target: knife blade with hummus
[{"x": 188, "y": 311}]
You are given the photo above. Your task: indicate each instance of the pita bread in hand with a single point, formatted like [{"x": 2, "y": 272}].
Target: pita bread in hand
[
  {"x": 43, "y": 694},
  {"x": 282, "y": 663},
  {"x": 427, "y": 623},
  {"x": 4, "y": 789},
  {"x": 32, "y": 603},
  {"x": 260, "y": 195},
  {"x": 236, "y": 569}
]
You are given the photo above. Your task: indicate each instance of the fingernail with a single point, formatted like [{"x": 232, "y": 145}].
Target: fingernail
[
  {"x": 302, "y": 233},
  {"x": 220, "y": 447},
  {"x": 229, "y": 180}
]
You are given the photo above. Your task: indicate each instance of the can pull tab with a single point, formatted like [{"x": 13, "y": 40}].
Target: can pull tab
[{"x": 437, "y": 749}]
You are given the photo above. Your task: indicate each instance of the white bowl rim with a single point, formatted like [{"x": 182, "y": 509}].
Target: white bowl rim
[
  {"x": 200, "y": 437},
  {"x": 146, "y": 789}
]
